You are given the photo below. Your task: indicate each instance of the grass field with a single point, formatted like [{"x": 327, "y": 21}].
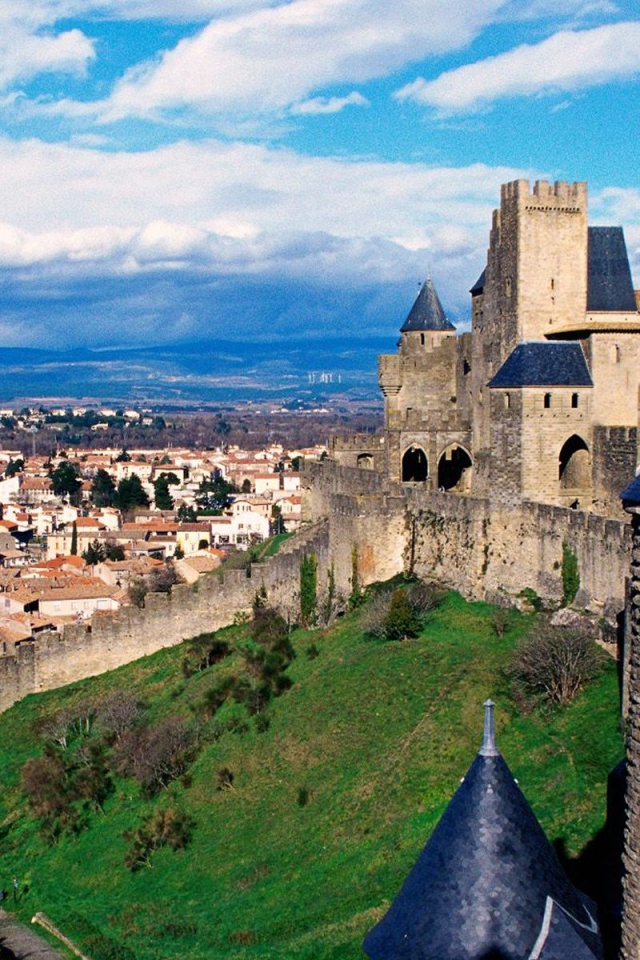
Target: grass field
[{"x": 329, "y": 806}]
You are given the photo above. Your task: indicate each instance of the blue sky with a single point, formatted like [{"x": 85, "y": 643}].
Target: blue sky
[{"x": 190, "y": 169}]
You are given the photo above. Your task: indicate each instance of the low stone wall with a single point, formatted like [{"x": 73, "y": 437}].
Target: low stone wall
[{"x": 111, "y": 640}]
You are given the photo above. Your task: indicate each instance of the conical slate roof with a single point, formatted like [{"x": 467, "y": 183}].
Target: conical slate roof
[
  {"x": 631, "y": 493},
  {"x": 487, "y": 885},
  {"x": 427, "y": 312}
]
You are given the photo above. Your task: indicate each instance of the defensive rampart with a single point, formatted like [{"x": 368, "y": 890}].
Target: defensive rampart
[
  {"x": 476, "y": 546},
  {"x": 111, "y": 640}
]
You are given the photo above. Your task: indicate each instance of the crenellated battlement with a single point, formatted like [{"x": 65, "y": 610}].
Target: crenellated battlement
[{"x": 557, "y": 194}]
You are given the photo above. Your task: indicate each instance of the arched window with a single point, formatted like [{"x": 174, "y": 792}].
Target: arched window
[
  {"x": 575, "y": 401},
  {"x": 453, "y": 469},
  {"x": 547, "y": 401},
  {"x": 507, "y": 401},
  {"x": 574, "y": 465},
  {"x": 415, "y": 467}
]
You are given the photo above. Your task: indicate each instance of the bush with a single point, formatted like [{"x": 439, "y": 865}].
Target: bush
[
  {"x": 164, "y": 828},
  {"x": 553, "y": 664},
  {"x": 425, "y": 597},
  {"x": 401, "y": 621},
  {"x": 116, "y": 713},
  {"x": 156, "y": 756},
  {"x": 499, "y": 621},
  {"x": 204, "y": 651},
  {"x": 570, "y": 575},
  {"x": 374, "y": 615}
]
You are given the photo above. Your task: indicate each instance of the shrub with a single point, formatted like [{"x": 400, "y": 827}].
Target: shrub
[
  {"x": 374, "y": 615},
  {"x": 156, "y": 756},
  {"x": 263, "y": 722},
  {"x": 425, "y": 597},
  {"x": 117, "y": 712},
  {"x": 570, "y": 575},
  {"x": 553, "y": 664},
  {"x": 224, "y": 779},
  {"x": 164, "y": 828},
  {"x": 499, "y": 621},
  {"x": 401, "y": 621},
  {"x": 204, "y": 651},
  {"x": 216, "y": 695},
  {"x": 308, "y": 590}
]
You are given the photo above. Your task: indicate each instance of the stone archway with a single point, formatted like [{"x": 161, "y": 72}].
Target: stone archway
[
  {"x": 365, "y": 461},
  {"x": 454, "y": 469},
  {"x": 574, "y": 465},
  {"x": 415, "y": 466}
]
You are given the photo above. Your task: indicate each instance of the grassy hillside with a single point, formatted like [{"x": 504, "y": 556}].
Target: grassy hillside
[{"x": 329, "y": 805}]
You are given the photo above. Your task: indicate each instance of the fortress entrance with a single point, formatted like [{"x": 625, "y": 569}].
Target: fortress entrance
[
  {"x": 452, "y": 469},
  {"x": 574, "y": 465},
  {"x": 415, "y": 467}
]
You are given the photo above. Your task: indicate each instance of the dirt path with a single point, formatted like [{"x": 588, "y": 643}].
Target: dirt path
[{"x": 18, "y": 942}]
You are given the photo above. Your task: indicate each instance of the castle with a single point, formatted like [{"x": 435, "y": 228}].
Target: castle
[{"x": 540, "y": 401}]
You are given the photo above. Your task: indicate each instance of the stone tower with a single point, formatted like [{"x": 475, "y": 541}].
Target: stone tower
[
  {"x": 424, "y": 421},
  {"x": 540, "y": 401}
]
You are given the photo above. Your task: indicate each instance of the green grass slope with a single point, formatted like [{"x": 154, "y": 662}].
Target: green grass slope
[{"x": 374, "y": 736}]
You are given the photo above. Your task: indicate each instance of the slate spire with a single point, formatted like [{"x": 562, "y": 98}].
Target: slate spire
[
  {"x": 427, "y": 312},
  {"x": 487, "y": 885}
]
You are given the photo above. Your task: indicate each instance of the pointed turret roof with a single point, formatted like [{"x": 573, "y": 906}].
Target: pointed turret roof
[
  {"x": 488, "y": 885},
  {"x": 427, "y": 312}
]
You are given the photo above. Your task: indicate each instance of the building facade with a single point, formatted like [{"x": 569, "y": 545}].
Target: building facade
[{"x": 540, "y": 400}]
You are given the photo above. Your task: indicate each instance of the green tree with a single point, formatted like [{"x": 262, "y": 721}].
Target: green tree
[
  {"x": 187, "y": 514},
  {"x": 213, "y": 495},
  {"x": 74, "y": 540},
  {"x": 401, "y": 621},
  {"x": 130, "y": 494},
  {"x": 13, "y": 467},
  {"x": 277, "y": 523},
  {"x": 66, "y": 481},
  {"x": 95, "y": 553},
  {"x": 103, "y": 489},
  {"x": 113, "y": 551},
  {"x": 570, "y": 575},
  {"x": 308, "y": 589},
  {"x": 163, "y": 498}
]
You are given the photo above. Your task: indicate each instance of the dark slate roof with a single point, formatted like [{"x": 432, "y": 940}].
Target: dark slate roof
[
  {"x": 631, "y": 493},
  {"x": 427, "y": 312},
  {"x": 609, "y": 285},
  {"x": 545, "y": 363},
  {"x": 478, "y": 286},
  {"x": 488, "y": 883}
]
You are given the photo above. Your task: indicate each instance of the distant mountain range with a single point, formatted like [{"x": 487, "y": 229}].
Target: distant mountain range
[{"x": 188, "y": 373}]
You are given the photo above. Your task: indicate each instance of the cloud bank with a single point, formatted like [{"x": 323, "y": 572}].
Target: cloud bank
[
  {"x": 192, "y": 222},
  {"x": 565, "y": 62}
]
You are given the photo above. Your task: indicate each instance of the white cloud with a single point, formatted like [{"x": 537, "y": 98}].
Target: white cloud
[
  {"x": 567, "y": 61},
  {"x": 322, "y": 105},
  {"x": 270, "y": 58},
  {"x": 185, "y": 224},
  {"x": 25, "y": 53}
]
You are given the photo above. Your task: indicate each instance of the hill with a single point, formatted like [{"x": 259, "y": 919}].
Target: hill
[
  {"x": 305, "y": 826},
  {"x": 192, "y": 373}
]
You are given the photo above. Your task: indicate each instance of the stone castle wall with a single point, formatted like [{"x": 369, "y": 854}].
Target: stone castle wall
[
  {"x": 481, "y": 548},
  {"x": 631, "y": 883},
  {"x": 111, "y": 640}
]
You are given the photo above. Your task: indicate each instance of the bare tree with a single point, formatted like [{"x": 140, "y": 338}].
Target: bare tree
[{"x": 555, "y": 663}]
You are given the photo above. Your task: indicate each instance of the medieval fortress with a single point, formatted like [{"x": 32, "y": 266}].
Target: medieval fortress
[{"x": 502, "y": 448}]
